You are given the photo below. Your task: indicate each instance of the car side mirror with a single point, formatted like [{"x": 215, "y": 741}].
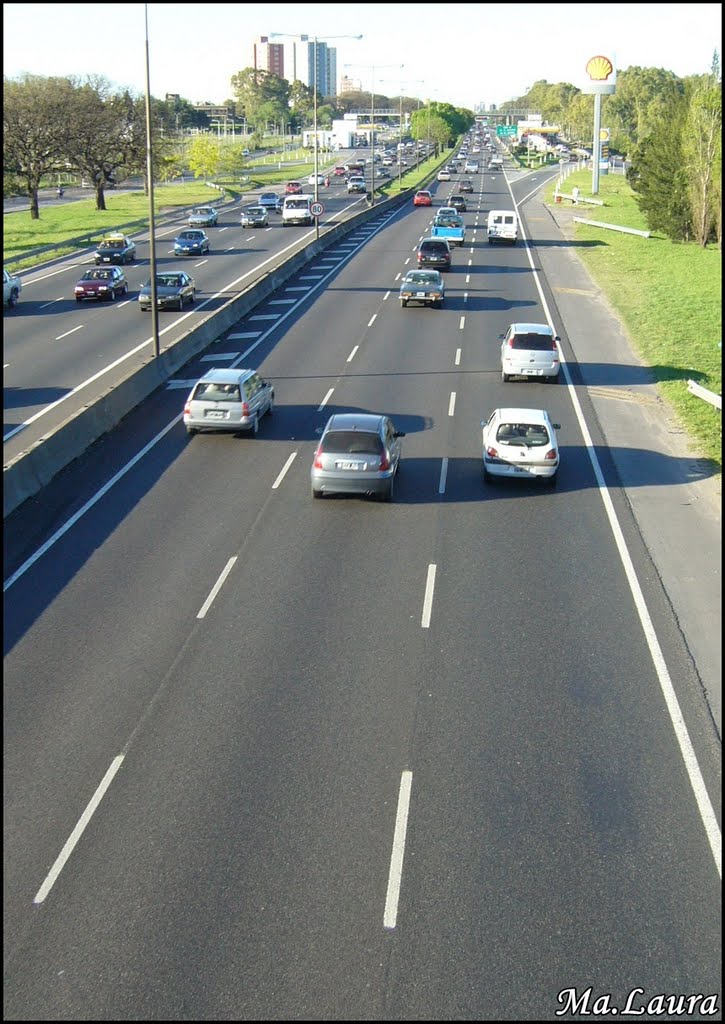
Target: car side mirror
[
  {"x": 399, "y": 433},
  {"x": 483, "y": 423},
  {"x": 556, "y": 426}
]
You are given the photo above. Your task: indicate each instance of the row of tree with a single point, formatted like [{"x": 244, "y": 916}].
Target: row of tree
[{"x": 669, "y": 129}]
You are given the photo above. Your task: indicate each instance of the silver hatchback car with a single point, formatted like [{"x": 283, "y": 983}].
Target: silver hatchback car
[
  {"x": 231, "y": 400},
  {"x": 358, "y": 453}
]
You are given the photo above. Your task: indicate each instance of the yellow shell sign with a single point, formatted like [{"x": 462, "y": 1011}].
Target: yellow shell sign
[
  {"x": 601, "y": 75},
  {"x": 599, "y": 68}
]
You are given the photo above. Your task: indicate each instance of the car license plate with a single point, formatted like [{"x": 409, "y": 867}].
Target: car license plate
[
  {"x": 420, "y": 295},
  {"x": 351, "y": 465},
  {"x": 216, "y": 414}
]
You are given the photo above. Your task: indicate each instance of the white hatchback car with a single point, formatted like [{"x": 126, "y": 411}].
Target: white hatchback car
[
  {"x": 520, "y": 443},
  {"x": 530, "y": 350}
]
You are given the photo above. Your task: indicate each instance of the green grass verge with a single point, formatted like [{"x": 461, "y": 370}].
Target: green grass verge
[{"x": 667, "y": 295}]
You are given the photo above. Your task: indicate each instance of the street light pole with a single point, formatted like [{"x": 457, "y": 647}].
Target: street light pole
[
  {"x": 150, "y": 175},
  {"x": 314, "y": 100}
]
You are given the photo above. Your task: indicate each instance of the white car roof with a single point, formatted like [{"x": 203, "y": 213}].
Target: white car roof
[
  {"x": 514, "y": 415},
  {"x": 532, "y": 329}
]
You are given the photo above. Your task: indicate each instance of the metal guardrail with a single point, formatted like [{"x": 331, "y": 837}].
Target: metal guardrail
[
  {"x": 707, "y": 396},
  {"x": 612, "y": 227}
]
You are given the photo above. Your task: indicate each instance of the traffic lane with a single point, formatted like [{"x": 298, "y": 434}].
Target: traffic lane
[
  {"x": 302, "y": 755},
  {"x": 80, "y": 571}
]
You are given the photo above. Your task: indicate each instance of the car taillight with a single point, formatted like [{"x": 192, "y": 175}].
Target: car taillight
[
  {"x": 553, "y": 345},
  {"x": 187, "y": 409},
  {"x": 384, "y": 460},
  {"x": 511, "y": 343},
  {"x": 245, "y": 409},
  {"x": 551, "y": 454},
  {"x": 318, "y": 458},
  {"x": 493, "y": 452}
]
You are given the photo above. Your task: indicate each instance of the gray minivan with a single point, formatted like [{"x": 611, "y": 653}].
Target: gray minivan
[{"x": 232, "y": 400}]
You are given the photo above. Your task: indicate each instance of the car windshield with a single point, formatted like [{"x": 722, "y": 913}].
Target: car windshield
[
  {"x": 296, "y": 204},
  {"x": 268, "y": 196},
  {"x": 351, "y": 442},
  {"x": 112, "y": 243},
  {"x": 167, "y": 281},
  {"x": 421, "y": 277},
  {"x": 433, "y": 247},
  {"x": 528, "y": 435},
  {"x": 538, "y": 342},
  {"x": 255, "y": 211},
  {"x": 203, "y": 210},
  {"x": 97, "y": 275},
  {"x": 191, "y": 236},
  {"x": 212, "y": 391}
]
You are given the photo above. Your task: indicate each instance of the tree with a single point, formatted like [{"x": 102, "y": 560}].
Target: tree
[
  {"x": 35, "y": 130},
  {"x": 106, "y": 133},
  {"x": 658, "y": 175},
  {"x": 255, "y": 89},
  {"x": 702, "y": 153},
  {"x": 203, "y": 157},
  {"x": 642, "y": 96}
]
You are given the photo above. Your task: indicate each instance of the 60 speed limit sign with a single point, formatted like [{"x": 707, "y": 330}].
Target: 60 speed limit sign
[{"x": 317, "y": 209}]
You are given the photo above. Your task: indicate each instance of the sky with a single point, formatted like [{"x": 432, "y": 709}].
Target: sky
[{"x": 464, "y": 54}]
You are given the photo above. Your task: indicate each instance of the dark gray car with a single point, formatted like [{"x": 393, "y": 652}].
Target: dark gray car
[
  {"x": 173, "y": 290},
  {"x": 358, "y": 453}
]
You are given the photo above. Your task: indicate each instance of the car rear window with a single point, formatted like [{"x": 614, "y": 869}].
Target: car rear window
[
  {"x": 211, "y": 391},
  {"x": 538, "y": 342},
  {"x": 351, "y": 442},
  {"x": 531, "y": 435},
  {"x": 437, "y": 247}
]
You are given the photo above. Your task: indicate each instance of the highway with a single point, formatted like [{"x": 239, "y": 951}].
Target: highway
[
  {"x": 275, "y": 758},
  {"x": 60, "y": 354}
]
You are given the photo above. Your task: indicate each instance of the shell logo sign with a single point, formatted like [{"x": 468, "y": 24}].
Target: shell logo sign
[
  {"x": 602, "y": 75},
  {"x": 599, "y": 68}
]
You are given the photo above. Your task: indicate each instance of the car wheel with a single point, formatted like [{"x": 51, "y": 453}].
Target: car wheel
[
  {"x": 181, "y": 302},
  {"x": 270, "y": 407},
  {"x": 78, "y": 299},
  {"x": 125, "y": 289},
  {"x": 505, "y": 377},
  {"x": 192, "y": 298},
  {"x": 486, "y": 476},
  {"x": 554, "y": 379},
  {"x": 403, "y": 303},
  {"x": 112, "y": 296},
  {"x": 551, "y": 480},
  {"x": 316, "y": 493},
  {"x": 255, "y": 425},
  {"x": 191, "y": 431}
]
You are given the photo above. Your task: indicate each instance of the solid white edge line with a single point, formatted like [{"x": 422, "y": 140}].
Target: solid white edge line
[
  {"x": 428, "y": 599},
  {"x": 325, "y": 400},
  {"x": 395, "y": 874},
  {"x": 687, "y": 751},
  {"x": 283, "y": 471},
  {"x": 452, "y": 404},
  {"x": 78, "y": 831},
  {"x": 352, "y": 354},
  {"x": 444, "y": 474},
  {"x": 217, "y": 587}
]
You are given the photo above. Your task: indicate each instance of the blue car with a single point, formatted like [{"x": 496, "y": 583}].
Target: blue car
[{"x": 192, "y": 242}]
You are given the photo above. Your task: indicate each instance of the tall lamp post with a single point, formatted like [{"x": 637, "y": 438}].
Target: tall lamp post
[
  {"x": 315, "y": 40},
  {"x": 372, "y": 67},
  {"x": 150, "y": 175},
  {"x": 404, "y": 85}
]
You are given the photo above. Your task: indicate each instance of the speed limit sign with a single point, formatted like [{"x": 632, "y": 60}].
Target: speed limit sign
[{"x": 317, "y": 209}]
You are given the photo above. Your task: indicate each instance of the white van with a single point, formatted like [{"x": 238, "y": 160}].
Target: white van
[
  {"x": 503, "y": 225},
  {"x": 296, "y": 210}
]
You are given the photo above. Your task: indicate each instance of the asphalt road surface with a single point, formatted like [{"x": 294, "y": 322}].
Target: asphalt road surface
[{"x": 275, "y": 758}]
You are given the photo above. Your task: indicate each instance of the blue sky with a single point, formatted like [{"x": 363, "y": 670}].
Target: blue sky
[{"x": 463, "y": 53}]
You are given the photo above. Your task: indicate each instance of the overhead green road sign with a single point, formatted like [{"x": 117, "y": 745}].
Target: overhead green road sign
[{"x": 506, "y": 129}]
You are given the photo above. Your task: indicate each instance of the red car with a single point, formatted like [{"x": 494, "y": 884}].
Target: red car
[
  {"x": 102, "y": 284},
  {"x": 293, "y": 188},
  {"x": 422, "y": 198},
  {"x": 339, "y": 172}
]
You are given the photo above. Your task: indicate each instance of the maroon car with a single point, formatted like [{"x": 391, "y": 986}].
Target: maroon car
[{"x": 103, "y": 283}]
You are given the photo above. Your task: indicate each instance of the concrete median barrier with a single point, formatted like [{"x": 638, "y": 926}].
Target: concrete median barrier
[{"x": 32, "y": 469}]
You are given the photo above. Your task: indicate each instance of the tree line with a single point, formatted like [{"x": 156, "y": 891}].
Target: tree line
[{"x": 669, "y": 130}]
